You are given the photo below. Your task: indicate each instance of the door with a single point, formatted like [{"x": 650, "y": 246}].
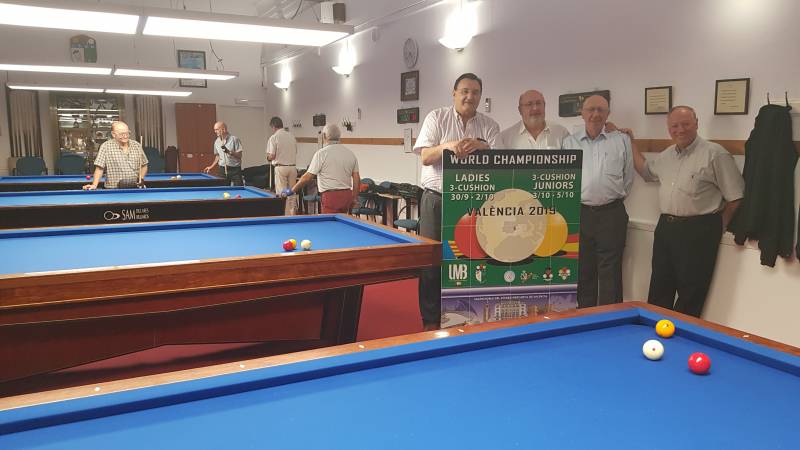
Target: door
[{"x": 194, "y": 123}]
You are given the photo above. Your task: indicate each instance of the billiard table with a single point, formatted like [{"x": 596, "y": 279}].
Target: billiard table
[
  {"x": 64, "y": 182},
  {"x": 62, "y": 208},
  {"x": 575, "y": 380},
  {"x": 72, "y": 295}
]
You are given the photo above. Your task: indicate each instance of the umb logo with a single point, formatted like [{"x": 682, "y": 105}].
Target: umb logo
[{"x": 458, "y": 272}]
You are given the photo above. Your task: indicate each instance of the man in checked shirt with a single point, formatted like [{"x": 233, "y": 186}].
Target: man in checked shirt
[{"x": 122, "y": 160}]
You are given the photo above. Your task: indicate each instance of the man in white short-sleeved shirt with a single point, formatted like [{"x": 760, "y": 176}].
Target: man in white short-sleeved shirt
[{"x": 282, "y": 154}]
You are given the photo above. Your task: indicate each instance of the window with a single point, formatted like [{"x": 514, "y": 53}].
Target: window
[{"x": 24, "y": 126}]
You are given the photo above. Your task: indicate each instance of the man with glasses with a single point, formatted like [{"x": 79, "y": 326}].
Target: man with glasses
[
  {"x": 533, "y": 131},
  {"x": 606, "y": 179},
  {"x": 228, "y": 155},
  {"x": 461, "y": 129},
  {"x": 121, "y": 159}
]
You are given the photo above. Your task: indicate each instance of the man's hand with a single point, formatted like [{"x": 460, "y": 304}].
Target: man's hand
[
  {"x": 469, "y": 145},
  {"x": 287, "y": 192},
  {"x": 207, "y": 169},
  {"x": 89, "y": 187},
  {"x": 610, "y": 126}
]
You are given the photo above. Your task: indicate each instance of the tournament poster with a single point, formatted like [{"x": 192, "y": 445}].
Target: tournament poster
[{"x": 510, "y": 229}]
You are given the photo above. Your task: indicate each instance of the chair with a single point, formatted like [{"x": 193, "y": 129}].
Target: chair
[
  {"x": 171, "y": 159},
  {"x": 256, "y": 176},
  {"x": 408, "y": 224},
  {"x": 30, "y": 165},
  {"x": 155, "y": 162},
  {"x": 70, "y": 164},
  {"x": 368, "y": 204}
]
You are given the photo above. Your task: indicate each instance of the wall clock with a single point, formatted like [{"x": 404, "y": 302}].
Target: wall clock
[{"x": 410, "y": 53}]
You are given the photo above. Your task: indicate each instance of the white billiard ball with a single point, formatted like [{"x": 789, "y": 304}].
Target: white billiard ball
[
  {"x": 653, "y": 350},
  {"x": 177, "y": 177},
  {"x": 305, "y": 244}
]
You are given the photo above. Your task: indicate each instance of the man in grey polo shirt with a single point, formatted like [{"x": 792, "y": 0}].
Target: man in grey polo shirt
[
  {"x": 228, "y": 155},
  {"x": 336, "y": 170},
  {"x": 606, "y": 179},
  {"x": 699, "y": 192},
  {"x": 462, "y": 129}
]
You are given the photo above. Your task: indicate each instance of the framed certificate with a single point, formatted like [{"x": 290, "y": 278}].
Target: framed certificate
[
  {"x": 732, "y": 96},
  {"x": 409, "y": 86},
  {"x": 192, "y": 59},
  {"x": 657, "y": 100}
]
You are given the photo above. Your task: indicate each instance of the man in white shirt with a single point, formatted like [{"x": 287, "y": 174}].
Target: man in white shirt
[
  {"x": 461, "y": 129},
  {"x": 282, "y": 153},
  {"x": 533, "y": 131},
  {"x": 336, "y": 170}
]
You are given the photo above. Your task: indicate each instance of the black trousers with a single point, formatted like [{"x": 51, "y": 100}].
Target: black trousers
[
  {"x": 684, "y": 256},
  {"x": 602, "y": 241},
  {"x": 233, "y": 175},
  {"x": 430, "y": 280}
]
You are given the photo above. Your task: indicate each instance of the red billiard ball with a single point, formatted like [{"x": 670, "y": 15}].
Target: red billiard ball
[
  {"x": 699, "y": 363},
  {"x": 238, "y": 196},
  {"x": 288, "y": 245},
  {"x": 465, "y": 237},
  {"x": 88, "y": 177}
]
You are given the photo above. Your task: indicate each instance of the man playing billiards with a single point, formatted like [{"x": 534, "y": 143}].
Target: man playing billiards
[{"x": 121, "y": 159}]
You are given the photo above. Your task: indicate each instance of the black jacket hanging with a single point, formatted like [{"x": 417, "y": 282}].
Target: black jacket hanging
[{"x": 766, "y": 213}]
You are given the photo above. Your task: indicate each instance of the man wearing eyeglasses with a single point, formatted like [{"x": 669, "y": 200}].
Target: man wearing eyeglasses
[
  {"x": 533, "y": 131},
  {"x": 228, "y": 155},
  {"x": 606, "y": 179},
  {"x": 121, "y": 159}
]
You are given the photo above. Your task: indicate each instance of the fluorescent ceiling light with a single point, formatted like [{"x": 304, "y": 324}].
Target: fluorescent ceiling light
[
  {"x": 343, "y": 70},
  {"x": 282, "y": 84},
  {"x": 175, "y": 73},
  {"x": 87, "y": 70},
  {"x": 68, "y": 19},
  {"x": 147, "y": 92},
  {"x": 244, "y": 29},
  {"x": 33, "y": 87}
]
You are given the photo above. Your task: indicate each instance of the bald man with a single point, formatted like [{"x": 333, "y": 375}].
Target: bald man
[
  {"x": 606, "y": 179},
  {"x": 121, "y": 159},
  {"x": 227, "y": 155},
  {"x": 533, "y": 131},
  {"x": 700, "y": 189}
]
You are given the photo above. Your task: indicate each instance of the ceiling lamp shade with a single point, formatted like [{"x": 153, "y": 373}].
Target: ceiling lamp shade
[
  {"x": 194, "y": 74},
  {"x": 86, "y": 70},
  {"x": 67, "y": 19},
  {"x": 225, "y": 27}
]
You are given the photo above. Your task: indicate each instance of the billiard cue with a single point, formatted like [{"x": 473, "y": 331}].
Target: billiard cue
[{"x": 269, "y": 177}]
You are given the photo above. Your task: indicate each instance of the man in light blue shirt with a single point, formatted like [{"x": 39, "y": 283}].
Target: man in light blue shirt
[{"x": 606, "y": 180}]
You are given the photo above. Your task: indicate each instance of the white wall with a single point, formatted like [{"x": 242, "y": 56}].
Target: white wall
[{"x": 573, "y": 46}]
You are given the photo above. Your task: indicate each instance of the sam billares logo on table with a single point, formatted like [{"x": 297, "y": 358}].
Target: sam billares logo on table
[{"x": 127, "y": 215}]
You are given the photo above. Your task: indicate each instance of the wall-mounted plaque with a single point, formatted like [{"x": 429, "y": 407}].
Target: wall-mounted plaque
[
  {"x": 732, "y": 96},
  {"x": 408, "y": 115},
  {"x": 657, "y": 100},
  {"x": 569, "y": 105}
]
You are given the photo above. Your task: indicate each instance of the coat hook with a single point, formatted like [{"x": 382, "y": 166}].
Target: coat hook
[
  {"x": 768, "y": 99},
  {"x": 786, "y": 97}
]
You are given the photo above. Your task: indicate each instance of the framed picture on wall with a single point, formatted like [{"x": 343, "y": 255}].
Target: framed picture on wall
[
  {"x": 409, "y": 86},
  {"x": 732, "y": 96},
  {"x": 192, "y": 59},
  {"x": 657, "y": 100}
]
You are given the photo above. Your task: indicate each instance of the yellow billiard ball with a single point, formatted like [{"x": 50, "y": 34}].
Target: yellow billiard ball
[
  {"x": 226, "y": 195},
  {"x": 665, "y": 328}
]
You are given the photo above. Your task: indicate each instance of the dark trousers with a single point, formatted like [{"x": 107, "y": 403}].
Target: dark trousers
[
  {"x": 684, "y": 256},
  {"x": 602, "y": 241},
  {"x": 233, "y": 176},
  {"x": 430, "y": 280}
]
